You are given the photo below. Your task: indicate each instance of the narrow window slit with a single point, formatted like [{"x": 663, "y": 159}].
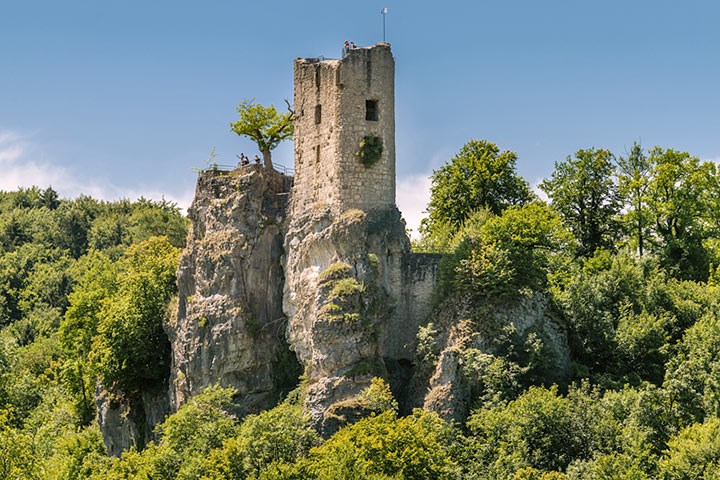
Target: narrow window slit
[{"x": 371, "y": 110}]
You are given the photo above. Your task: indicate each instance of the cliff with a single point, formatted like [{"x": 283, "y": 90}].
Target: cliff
[
  {"x": 230, "y": 327},
  {"x": 470, "y": 351},
  {"x": 270, "y": 297},
  {"x": 344, "y": 298},
  {"x": 266, "y": 295}
]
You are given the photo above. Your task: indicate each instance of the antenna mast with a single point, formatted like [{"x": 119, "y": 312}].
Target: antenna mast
[{"x": 384, "y": 12}]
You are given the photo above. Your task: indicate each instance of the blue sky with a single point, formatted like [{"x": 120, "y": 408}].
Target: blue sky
[{"x": 120, "y": 99}]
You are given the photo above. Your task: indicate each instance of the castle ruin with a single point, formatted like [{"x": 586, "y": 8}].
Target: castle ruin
[
  {"x": 310, "y": 275},
  {"x": 344, "y": 230},
  {"x": 316, "y": 280},
  {"x": 338, "y": 103}
]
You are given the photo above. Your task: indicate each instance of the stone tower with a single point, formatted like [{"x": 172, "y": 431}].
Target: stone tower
[{"x": 338, "y": 103}]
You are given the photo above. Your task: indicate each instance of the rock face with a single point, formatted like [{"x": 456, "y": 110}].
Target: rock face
[
  {"x": 265, "y": 296},
  {"x": 130, "y": 422},
  {"x": 230, "y": 326},
  {"x": 342, "y": 291},
  {"x": 343, "y": 307},
  {"x": 472, "y": 351}
]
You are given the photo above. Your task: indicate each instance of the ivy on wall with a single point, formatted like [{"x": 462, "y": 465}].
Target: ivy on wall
[{"x": 370, "y": 150}]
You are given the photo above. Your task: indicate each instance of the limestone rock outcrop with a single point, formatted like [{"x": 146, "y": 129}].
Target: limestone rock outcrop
[
  {"x": 126, "y": 422},
  {"x": 344, "y": 296},
  {"x": 230, "y": 326},
  {"x": 469, "y": 351},
  {"x": 268, "y": 293},
  {"x": 265, "y": 296}
]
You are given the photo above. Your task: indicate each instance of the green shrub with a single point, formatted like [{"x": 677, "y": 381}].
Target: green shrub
[
  {"x": 370, "y": 150},
  {"x": 336, "y": 271}
]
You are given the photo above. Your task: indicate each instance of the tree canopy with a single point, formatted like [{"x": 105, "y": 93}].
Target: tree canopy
[
  {"x": 582, "y": 190},
  {"x": 479, "y": 176},
  {"x": 263, "y": 125}
]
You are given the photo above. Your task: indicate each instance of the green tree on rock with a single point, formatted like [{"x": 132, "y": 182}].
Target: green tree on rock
[
  {"x": 479, "y": 176},
  {"x": 264, "y": 126},
  {"x": 131, "y": 350},
  {"x": 512, "y": 251}
]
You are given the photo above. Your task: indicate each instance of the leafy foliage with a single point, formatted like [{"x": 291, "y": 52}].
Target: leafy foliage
[
  {"x": 679, "y": 200},
  {"x": 583, "y": 192},
  {"x": 264, "y": 126},
  {"x": 130, "y": 349},
  {"x": 692, "y": 375},
  {"x": 633, "y": 178},
  {"x": 694, "y": 453},
  {"x": 479, "y": 176},
  {"x": 415, "y": 447},
  {"x": 508, "y": 253},
  {"x": 370, "y": 150}
]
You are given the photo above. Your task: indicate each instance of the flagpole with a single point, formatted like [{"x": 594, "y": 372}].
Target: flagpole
[{"x": 384, "y": 12}]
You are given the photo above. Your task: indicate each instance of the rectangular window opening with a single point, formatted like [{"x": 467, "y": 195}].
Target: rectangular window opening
[
  {"x": 318, "y": 114},
  {"x": 317, "y": 154},
  {"x": 371, "y": 110}
]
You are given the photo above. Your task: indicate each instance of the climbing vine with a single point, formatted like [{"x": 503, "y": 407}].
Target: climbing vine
[{"x": 370, "y": 151}]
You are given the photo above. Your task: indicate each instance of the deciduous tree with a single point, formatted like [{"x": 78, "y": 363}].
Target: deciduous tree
[
  {"x": 679, "y": 200},
  {"x": 633, "y": 177},
  {"x": 264, "y": 126},
  {"x": 583, "y": 192},
  {"x": 479, "y": 176},
  {"x": 131, "y": 349}
]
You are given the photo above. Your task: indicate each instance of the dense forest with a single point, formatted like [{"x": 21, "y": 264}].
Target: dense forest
[{"x": 627, "y": 249}]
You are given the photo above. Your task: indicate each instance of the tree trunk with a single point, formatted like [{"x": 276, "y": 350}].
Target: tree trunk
[
  {"x": 640, "y": 230},
  {"x": 267, "y": 159}
]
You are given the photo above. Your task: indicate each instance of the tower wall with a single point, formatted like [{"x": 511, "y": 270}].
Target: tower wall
[{"x": 331, "y": 105}]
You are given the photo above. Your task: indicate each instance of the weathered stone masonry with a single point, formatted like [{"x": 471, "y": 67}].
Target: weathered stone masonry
[{"x": 332, "y": 98}]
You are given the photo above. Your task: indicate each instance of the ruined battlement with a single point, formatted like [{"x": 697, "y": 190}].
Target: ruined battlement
[{"x": 337, "y": 104}]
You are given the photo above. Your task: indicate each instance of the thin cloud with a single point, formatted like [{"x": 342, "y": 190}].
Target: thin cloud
[
  {"x": 413, "y": 195},
  {"x": 20, "y": 170},
  {"x": 10, "y": 149},
  {"x": 535, "y": 187}
]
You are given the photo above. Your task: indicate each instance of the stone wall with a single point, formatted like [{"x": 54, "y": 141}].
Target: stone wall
[
  {"x": 418, "y": 278},
  {"x": 343, "y": 213},
  {"x": 330, "y": 104},
  {"x": 316, "y": 144}
]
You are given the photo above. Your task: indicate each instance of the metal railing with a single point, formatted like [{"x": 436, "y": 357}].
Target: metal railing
[
  {"x": 287, "y": 171},
  {"x": 219, "y": 167}
]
